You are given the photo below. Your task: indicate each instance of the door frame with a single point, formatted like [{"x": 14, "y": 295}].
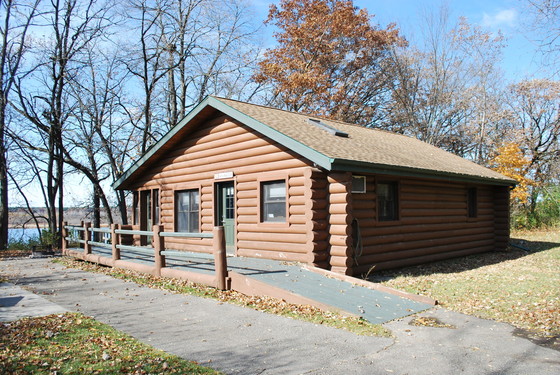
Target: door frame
[{"x": 218, "y": 207}]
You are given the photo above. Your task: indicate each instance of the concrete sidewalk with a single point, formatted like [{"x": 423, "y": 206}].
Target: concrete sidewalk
[
  {"x": 17, "y": 303},
  {"x": 238, "y": 340}
]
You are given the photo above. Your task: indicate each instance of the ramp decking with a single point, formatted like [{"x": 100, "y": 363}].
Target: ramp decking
[{"x": 291, "y": 282}]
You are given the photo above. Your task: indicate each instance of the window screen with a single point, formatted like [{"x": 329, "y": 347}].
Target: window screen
[
  {"x": 187, "y": 203},
  {"x": 387, "y": 201},
  {"x": 273, "y": 203},
  {"x": 156, "y": 205},
  {"x": 472, "y": 202}
]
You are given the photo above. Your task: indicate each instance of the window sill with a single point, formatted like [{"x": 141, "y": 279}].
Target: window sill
[{"x": 272, "y": 224}]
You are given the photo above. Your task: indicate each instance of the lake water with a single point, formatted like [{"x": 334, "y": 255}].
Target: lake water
[{"x": 22, "y": 234}]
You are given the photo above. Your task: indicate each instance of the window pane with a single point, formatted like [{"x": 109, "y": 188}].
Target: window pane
[
  {"x": 274, "y": 201},
  {"x": 194, "y": 201},
  {"x": 472, "y": 202},
  {"x": 136, "y": 204},
  {"x": 387, "y": 201},
  {"x": 187, "y": 211},
  {"x": 275, "y": 191},
  {"x": 156, "y": 206},
  {"x": 275, "y": 212},
  {"x": 193, "y": 222}
]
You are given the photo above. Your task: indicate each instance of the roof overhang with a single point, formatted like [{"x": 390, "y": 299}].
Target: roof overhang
[{"x": 363, "y": 167}]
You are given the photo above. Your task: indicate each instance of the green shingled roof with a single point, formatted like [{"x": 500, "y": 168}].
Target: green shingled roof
[{"x": 364, "y": 150}]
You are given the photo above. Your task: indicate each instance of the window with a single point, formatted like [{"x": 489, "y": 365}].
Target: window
[
  {"x": 472, "y": 202},
  {"x": 155, "y": 199},
  {"x": 136, "y": 208},
  {"x": 273, "y": 201},
  {"x": 187, "y": 203},
  {"x": 146, "y": 210},
  {"x": 387, "y": 201}
]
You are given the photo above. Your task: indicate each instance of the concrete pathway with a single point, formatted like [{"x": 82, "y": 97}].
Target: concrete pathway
[
  {"x": 238, "y": 340},
  {"x": 17, "y": 303}
]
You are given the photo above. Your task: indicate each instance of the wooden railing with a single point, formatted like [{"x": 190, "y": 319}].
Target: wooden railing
[{"x": 120, "y": 239}]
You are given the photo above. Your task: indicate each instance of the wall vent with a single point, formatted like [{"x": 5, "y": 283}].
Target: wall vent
[{"x": 327, "y": 128}]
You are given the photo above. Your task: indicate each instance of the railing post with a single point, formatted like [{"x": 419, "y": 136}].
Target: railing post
[
  {"x": 82, "y": 234},
  {"x": 64, "y": 235},
  {"x": 87, "y": 246},
  {"x": 115, "y": 252},
  {"x": 136, "y": 238},
  {"x": 159, "y": 245},
  {"x": 220, "y": 260}
]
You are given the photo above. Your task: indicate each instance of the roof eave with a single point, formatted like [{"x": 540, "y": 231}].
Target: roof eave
[{"x": 364, "y": 167}]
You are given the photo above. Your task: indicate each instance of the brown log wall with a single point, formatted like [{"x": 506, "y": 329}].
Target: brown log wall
[
  {"x": 433, "y": 224},
  {"x": 316, "y": 221},
  {"x": 340, "y": 221},
  {"x": 501, "y": 216},
  {"x": 223, "y": 145},
  {"x": 321, "y": 208}
]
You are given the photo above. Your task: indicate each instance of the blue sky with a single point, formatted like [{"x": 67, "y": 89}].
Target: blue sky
[{"x": 507, "y": 16}]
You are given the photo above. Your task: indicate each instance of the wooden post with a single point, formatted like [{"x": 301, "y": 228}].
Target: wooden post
[
  {"x": 220, "y": 260},
  {"x": 116, "y": 253},
  {"x": 87, "y": 246},
  {"x": 82, "y": 234},
  {"x": 159, "y": 245},
  {"x": 64, "y": 235}
]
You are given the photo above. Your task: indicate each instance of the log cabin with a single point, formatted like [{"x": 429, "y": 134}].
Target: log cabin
[{"x": 294, "y": 187}]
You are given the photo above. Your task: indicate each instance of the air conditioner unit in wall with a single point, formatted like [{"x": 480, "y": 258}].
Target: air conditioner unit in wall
[{"x": 358, "y": 184}]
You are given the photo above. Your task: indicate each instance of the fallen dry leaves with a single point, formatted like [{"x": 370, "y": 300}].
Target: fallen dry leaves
[
  {"x": 72, "y": 343},
  {"x": 517, "y": 287},
  {"x": 423, "y": 321}
]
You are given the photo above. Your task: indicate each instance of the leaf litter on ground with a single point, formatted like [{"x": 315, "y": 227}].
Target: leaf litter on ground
[
  {"x": 514, "y": 286},
  {"x": 73, "y": 343}
]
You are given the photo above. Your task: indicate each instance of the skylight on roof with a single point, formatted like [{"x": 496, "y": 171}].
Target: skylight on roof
[{"x": 327, "y": 128}]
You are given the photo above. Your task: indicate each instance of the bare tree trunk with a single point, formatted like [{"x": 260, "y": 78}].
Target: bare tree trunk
[{"x": 11, "y": 53}]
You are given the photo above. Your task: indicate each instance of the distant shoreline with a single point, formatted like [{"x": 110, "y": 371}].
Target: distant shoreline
[{"x": 27, "y": 226}]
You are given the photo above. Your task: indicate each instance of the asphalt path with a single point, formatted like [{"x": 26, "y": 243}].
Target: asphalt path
[{"x": 238, "y": 340}]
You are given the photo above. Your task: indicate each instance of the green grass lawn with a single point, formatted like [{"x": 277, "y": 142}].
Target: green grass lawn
[
  {"x": 518, "y": 287},
  {"x": 75, "y": 344}
]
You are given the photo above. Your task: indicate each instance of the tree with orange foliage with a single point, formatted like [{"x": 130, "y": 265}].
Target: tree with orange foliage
[
  {"x": 330, "y": 60},
  {"x": 511, "y": 162}
]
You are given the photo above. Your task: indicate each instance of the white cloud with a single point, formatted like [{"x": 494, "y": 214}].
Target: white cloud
[{"x": 507, "y": 17}]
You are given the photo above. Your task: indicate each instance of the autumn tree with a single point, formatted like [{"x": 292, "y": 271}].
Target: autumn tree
[
  {"x": 330, "y": 59},
  {"x": 511, "y": 162}
]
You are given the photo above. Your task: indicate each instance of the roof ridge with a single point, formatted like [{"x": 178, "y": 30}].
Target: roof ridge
[
  {"x": 292, "y": 112},
  {"x": 311, "y": 115}
]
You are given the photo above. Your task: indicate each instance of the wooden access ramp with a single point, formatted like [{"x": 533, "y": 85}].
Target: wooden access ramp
[
  {"x": 291, "y": 282},
  {"x": 323, "y": 289}
]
